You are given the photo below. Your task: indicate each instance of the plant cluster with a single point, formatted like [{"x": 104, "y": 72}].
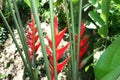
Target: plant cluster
[{"x": 108, "y": 65}]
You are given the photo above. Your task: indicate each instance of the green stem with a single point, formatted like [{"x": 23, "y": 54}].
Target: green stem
[
  {"x": 18, "y": 48},
  {"x": 74, "y": 70},
  {"x": 69, "y": 28},
  {"x": 21, "y": 35},
  {"x": 24, "y": 43},
  {"x": 12, "y": 34},
  {"x": 79, "y": 29},
  {"x": 53, "y": 38},
  {"x": 40, "y": 33}
]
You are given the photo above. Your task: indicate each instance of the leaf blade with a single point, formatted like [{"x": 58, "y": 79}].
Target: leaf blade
[{"x": 109, "y": 60}]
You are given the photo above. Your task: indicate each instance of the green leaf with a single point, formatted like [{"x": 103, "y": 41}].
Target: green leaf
[
  {"x": 93, "y": 2},
  {"x": 105, "y": 9},
  {"x": 2, "y": 76},
  {"x": 96, "y": 18},
  {"x": 109, "y": 60},
  {"x": 36, "y": 70},
  {"x": 118, "y": 78},
  {"x": 28, "y": 3},
  {"x": 58, "y": 2},
  {"x": 90, "y": 25},
  {"x": 113, "y": 75},
  {"x": 103, "y": 31},
  {"x": 117, "y": 1},
  {"x": 75, "y": 1}
]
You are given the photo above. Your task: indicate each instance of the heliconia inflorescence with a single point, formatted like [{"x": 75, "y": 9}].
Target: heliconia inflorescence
[
  {"x": 59, "y": 51},
  {"x": 32, "y": 38},
  {"x": 34, "y": 44},
  {"x": 83, "y": 42}
]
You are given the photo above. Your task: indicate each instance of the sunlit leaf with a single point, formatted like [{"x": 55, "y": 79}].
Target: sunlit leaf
[
  {"x": 103, "y": 31},
  {"x": 109, "y": 60},
  {"x": 113, "y": 75},
  {"x": 28, "y": 3},
  {"x": 90, "y": 25},
  {"x": 96, "y": 18},
  {"x": 92, "y": 1},
  {"x": 105, "y": 9}
]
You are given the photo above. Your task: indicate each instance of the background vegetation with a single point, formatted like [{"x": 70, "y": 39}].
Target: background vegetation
[{"x": 102, "y": 19}]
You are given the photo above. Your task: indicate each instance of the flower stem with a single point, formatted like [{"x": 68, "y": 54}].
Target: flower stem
[
  {"x": 79, "y": 28},
  {"x": 22, "y": 38},
  {"x": 53, "y": 37},
  {"x": 25, "y": 46},
  {"x": 18, "y": 48},
  {"x": 69, "y": 28},
  {"x": 74, "y": 60},
  {"x": 40, "y": 33}
]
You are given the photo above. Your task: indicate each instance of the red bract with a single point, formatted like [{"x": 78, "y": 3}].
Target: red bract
[
  {"x": 59, "y": 51},
  {"x": 83, "y": 41},
  {"x": 32, "y": 38}
]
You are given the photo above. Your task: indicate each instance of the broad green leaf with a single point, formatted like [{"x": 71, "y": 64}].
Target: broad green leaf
[
  {"x": 96, "y": 18},
  {"x": 113, "y": 75},
  {"x": 105, "y": 9},
  {"x": 109, "y": 60},
  {"x": 28, "y": 3},
  {"x": 103, "y": 31}
]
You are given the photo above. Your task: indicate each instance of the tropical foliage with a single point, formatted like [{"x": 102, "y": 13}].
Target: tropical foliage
[{"x": 96, "y": 30}]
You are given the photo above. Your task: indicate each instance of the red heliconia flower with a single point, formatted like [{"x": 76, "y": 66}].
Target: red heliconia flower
[
  {"x": 60, "y": 67},
  {"x": 59, "y": 51},
  {"x": 32, "y": 38},
  {"x": 58, "y": 35},
  {"x": 83, "y": 41}
]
